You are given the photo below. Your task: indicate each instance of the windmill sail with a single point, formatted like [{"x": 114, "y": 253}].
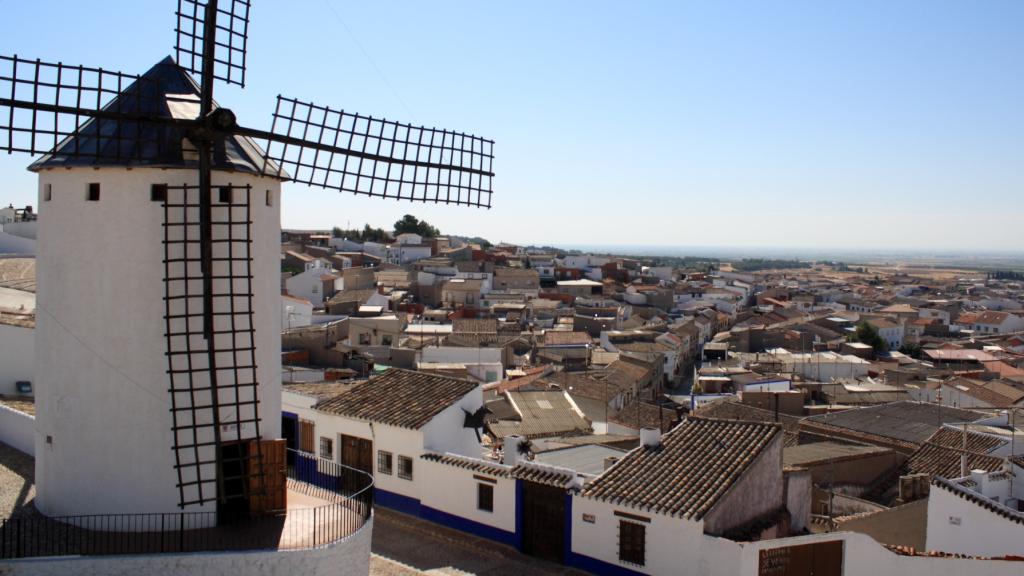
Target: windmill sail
[
  {"x": 349, "y": 152},
  {"x": 230, "y": 40}
]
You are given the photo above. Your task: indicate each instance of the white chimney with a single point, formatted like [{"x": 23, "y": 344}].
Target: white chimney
[
  {"x": 510, "y": 445},
  {"x": 980, "y": 478},
  {"x": 650, "y": 437},
  {"x": 610, "y": 461}
]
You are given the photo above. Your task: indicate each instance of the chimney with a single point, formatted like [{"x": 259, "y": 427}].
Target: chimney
[
  {"x": 980, "y": 478},
  {"x": 510, "y": 445},
  {"x": 610, "y": 461},
  {"x": 650, "y": 437}
]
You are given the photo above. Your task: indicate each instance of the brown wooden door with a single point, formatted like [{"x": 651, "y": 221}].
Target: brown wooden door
[
  {"x": 268, "y": 476},
  {"x": 818, "y": 559},
  {"x": 355, "y": 453},
  {"x": 543, "y": 521}
]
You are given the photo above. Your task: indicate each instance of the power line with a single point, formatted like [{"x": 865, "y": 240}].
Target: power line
[{"x": 369, "y": 59}]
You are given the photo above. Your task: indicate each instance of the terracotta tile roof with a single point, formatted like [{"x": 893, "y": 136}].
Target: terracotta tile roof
[
  {"x": 695, "y": 465},
  {"x": 993, "y": 393},
  {"x": 319, "y": 390},
  {"x": 940, "y": 455},
  {"x": 584, "y": 385},
  {"x": 557, "y": 477},
  {"x": 649, "y": 416},
  {"x": 475, "y": 326},
  {"x": 563, "y": 338},
  {"x": 733, "y": 409},
  {"x": 467, "y": 463},
  {"x": 960, "y": 355},
  {"x": 402, "y": 398}
]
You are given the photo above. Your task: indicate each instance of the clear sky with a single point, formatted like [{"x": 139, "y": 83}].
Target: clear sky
[{"x": 882, "y": 124}]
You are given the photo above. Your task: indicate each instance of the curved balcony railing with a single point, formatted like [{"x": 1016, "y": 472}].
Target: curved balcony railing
[{"x": 337, "y": 502}]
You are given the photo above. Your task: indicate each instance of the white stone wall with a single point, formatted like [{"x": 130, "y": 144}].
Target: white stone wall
[
  {"x": 453, "y": 490},
  {"x": 673, "y": 545},
  {"x": 100, "y": 339},
  {"x": 960, "y": 526},
  {"x": 445, "y": 432},
  {"x": 18, "y": 430},
  {"x": 350, "y": 557},
  {"x": 17, "y": 349}
]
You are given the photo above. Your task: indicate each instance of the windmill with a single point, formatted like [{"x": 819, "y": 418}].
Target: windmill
[{"x": 154, "y": 199}]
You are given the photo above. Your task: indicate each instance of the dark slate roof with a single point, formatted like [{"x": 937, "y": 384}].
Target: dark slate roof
[
  {"x": 165, "y": 91},
  {"x": 695, "y": 465},
  {"x": 819, "y": 452},
  {"x": 402, "y": 398},
  {"x": 912, "y": 422},
  {"x": 543, "y": 413}
]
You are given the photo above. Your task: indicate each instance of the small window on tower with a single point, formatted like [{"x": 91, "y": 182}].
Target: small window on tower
[
  {"x": 270, "y": 198},
  {"x": 225, "y": 194},
  {"x": 94, "y": 192},
  {"x": 47, "y": 192},
  {"x": 158, "y": 193}
]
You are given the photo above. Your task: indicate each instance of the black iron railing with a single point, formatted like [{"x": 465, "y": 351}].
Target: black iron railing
[{"x": 340, "y": 501}]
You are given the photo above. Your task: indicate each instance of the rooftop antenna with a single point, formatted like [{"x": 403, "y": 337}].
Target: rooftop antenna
[{"x": 94, "y": 117}]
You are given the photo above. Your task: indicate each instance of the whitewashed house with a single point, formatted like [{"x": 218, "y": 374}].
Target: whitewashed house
[
  {"x": 978, "y": 514},
  {"x": 659, "y": 508},
  {"x": 384, "y": 425},
  {"x": 312, "y": 283},
  {"x": 295, "y": 312}
]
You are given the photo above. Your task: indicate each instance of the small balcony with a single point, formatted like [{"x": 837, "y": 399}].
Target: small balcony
[{"x": 326, "y": 503}]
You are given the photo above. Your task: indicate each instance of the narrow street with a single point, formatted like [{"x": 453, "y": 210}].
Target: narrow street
[{"x": 407, "y": 546}]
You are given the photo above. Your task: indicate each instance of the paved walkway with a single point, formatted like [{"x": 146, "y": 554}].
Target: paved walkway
[{"x": 405, "y": 546}]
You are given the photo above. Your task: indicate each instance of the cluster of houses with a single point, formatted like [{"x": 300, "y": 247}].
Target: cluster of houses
[{"x": 626, "y": 418}]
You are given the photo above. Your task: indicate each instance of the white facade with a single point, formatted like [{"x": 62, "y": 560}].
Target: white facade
[
  {"x": 453, "y": 490},
  {"x": 309, "y": 283},
  {"x": 295, "y": 312},
  {"x": 444, "y": 433},
  {"x": 17, "y": 351},
  {"x": 104, "y": 426},
  {"x": 961, "y": 525}
]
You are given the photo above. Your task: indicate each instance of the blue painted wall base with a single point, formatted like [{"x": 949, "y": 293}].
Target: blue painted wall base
[
  {"x": 470, "y": 526},
  {"x": 600, "y": 567},
  {"x": 403, "y": 504}
]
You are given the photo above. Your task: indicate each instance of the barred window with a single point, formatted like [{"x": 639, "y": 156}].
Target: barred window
[
  {"x": 485, "y": 497},
  {"x": 405, "y": 468},
  {"x": 384, "y": 462},
  {"x": 632, "y": 538},
  {"x": 326, "y": 448}
]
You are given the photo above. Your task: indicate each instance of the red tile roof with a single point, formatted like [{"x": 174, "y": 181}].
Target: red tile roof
[
  {"x": 402, "y": 398},
  {"x": 689, "y": 472}
]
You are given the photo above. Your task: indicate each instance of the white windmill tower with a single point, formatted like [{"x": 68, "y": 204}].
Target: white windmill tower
[{"x": 158, "y": 329}]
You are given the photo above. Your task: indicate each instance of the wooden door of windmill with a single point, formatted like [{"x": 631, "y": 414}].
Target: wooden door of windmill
[{"x": 268, "y": 477}]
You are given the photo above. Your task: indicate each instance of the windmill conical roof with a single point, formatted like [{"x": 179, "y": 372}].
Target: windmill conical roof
[{"x": 166, "y": 91}]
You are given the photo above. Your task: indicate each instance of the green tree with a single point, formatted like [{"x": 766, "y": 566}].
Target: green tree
[
  {"x": 412, "y": 224},
  {"x": 867, "y": 334},
  {"x": 912, "y": 350}
]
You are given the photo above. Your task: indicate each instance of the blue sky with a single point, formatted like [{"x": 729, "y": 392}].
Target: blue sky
[{"x": 893, "y": 125}]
